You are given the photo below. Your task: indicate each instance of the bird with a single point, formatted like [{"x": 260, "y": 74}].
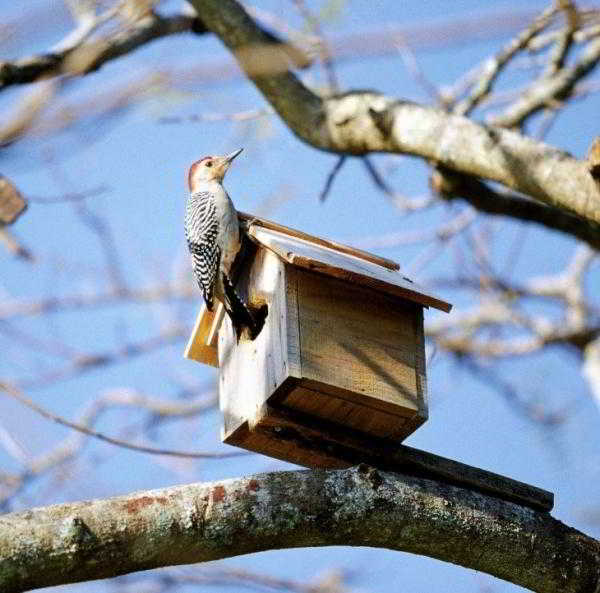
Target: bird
[{"x": 213, "y": 236}]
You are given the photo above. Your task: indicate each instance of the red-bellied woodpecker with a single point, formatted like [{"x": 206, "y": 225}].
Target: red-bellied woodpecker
[{"x": 213, "y": 237}]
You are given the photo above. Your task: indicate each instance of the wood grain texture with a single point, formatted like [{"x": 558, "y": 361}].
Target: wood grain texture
[
  {"x": 346, "y": 412},
  {"x": 197, "y": 348},
  {"x": 256, "y": 368},
  {"x": 268, "y": 224},
  {"x": 360, "y": 343},
  {"x": 212, "y": 336},
  {"x": 354, "y": 270}
]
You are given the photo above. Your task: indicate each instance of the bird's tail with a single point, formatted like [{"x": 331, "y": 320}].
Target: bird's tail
[{"x": 240, "y": 314}]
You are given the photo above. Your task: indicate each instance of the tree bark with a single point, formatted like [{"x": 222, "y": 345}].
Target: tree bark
[
  {"x": 360, "y": 122},
  {"x": 360, "y": 506}
]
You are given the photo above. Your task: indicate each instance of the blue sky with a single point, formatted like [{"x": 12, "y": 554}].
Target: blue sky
[{"x": 144, "y": 162}]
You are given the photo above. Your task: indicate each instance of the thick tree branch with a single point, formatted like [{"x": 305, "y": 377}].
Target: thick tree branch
[
  {"x": 359, "y": 506},
  {"x": 360, "y": 122}
]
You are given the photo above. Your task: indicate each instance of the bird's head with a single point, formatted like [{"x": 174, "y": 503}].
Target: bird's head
[{"x": 210, "y": 168}]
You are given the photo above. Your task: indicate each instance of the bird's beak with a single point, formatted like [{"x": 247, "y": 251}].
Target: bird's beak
[
  {"x": 232, "y": 155},
  {"x": 224, "y": 162}
]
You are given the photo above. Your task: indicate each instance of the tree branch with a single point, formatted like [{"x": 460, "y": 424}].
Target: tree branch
[
  {"x": 96, "y": 52},
  {"x": 359, "y": 506},
  {"x": 360, "y": 122},
  {"x": 550, "y": 88},
  {"x": 485, "y": 199}
]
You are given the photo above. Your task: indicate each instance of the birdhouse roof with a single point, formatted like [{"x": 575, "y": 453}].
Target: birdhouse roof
[
  {"x": 339, "y": 261},
  {"x": 320, "y": 255}
]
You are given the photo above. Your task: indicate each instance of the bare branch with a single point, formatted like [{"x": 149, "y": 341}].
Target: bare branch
[
  {"x": 77, "y": 302},
  {"x": 323, "y": 46},
  {"x": 21, "y": 398},
  {"x": 546, "y": 90},
  {"x": 480, "y": 195},
  {"x": 53, "y": 458},
  {"x": 403, "y": 203},
  {"x": 88, "y": 362},
  {"x": 14, "y": 246},
  {"x": 576, "y": 328},
  {"x": 565, "y": 40},
  {"x": 494, "y": 66},
  {"x": 69, "y": 197},
  {"x": 330, "y": 178},
  {"x": 533, "y": 411},
  {"x": 330, "y": 582},
  {"x": 246, "y": 115},
  {"x": 360, "y": 122},
  {"x": 81, "y": 56}
]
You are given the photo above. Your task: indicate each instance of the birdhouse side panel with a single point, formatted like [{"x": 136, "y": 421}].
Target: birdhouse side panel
[{"x": 361, "y": 342}]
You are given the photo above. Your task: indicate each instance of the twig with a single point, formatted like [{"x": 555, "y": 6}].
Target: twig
[
  {"x": 20, "y": 397},
  {"x": 249, "y": 114},
  {"x": 404, "y": 204},
  {"x": 410, "y": 62},
  {"x": 531, "y": 411},
  {"x": 565, "y": 40},
  {"x": 102, "y": 230},
  {"x": 77, "y": 55},
  {"x": 78, "y": 302},
  {"x": 14, "y": 246},
  {"x": 69, "y": 197},
  {"x": 546, "y": 91},
  {"x": 85, "y": 363},
  {"x": 324, "y": 51},
  {"x": 332, "y": 175},
  {"x": 494, "y": 66}
]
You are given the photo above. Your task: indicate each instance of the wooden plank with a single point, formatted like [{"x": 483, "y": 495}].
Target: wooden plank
[
  {"x": 267, "y": 224},
  {"x": 314, "y": 443},
  {"x": 197, "y": 348},
  {"x": 212, "y": 336},
  {"x": 346, "y": 413},
  {"x": 420, "y": 369},
  {"x": 344, "y": 266},
  {"x": 291, "y": 322}
]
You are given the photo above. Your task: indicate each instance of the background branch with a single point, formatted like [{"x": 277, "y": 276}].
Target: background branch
[{"x": 360, "y": 122}]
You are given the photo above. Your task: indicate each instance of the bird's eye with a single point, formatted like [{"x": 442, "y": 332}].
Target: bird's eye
[{"x": 209, "y": 164}]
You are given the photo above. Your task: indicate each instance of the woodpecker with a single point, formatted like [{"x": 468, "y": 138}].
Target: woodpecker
[{"x": 213, "y": 238}]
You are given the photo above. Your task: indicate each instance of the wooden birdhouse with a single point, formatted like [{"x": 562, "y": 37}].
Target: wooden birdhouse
[{"x": 339, "y": 365}]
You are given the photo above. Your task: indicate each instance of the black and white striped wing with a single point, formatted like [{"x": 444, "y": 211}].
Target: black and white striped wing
[
  {"x": 205, "y": 260},
  {"x": 201, "y": 230}
]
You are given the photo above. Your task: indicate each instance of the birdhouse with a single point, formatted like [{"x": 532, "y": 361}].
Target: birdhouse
[{"x": 339, "y": 365}]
